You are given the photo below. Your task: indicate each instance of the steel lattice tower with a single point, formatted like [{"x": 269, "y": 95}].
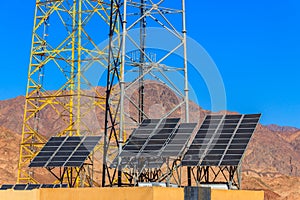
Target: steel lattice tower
[
  {"x": 64, "y": 50},
  {"x": 132, "y": 67},
  {"x": 59, "y": 63}
]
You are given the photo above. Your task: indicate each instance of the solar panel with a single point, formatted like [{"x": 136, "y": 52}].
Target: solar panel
[
  {"x": 70, "y": 151},
  {"x": 136, "y": 141},
  {"x": 221, "y": 140},
  {"x": 6, "y": 186},
  {"x": 146, "y": 142}
]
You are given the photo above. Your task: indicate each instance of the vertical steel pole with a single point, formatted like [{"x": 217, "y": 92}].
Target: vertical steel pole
[
  {"x": 189, "y": 175},
  {"x": 122, "y": 91},
  {"x": 186, "y": 83},
  {"x": 142, "y": 61},
  {"x": 239, "y": 175},
  {"x": 107, "y": 100}
]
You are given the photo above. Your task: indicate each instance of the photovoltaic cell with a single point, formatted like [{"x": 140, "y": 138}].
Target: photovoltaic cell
[
  {"x": 6, "y": 186},
  {"x": 136, "y": 142},
  {"x": 33, "y": 186},
  {"x": 154, "y": 140},
  {"x": 60, "y": 185},
  {"x": 69, "y": 151},
  {"x": 221, "y": 140},
  {"x": 20, "y": 186},
  {"x": 178, "y": 140},
  {"x": 159, "y": 137},
  {"x": 139, "y": 137},
  {"x": 47, "y": 186},
  {"x": 149, "y": 137}
]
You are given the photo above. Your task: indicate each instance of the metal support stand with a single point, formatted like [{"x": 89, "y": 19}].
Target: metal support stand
[{"x": 228, "y": 175}]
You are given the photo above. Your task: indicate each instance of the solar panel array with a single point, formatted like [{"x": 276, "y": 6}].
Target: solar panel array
[
  {"x": 155, "y": 140},
  {"x": 221, "y": 140},
  {"x": 70, "y": 151},
  {"x": 31, "y": 186}
]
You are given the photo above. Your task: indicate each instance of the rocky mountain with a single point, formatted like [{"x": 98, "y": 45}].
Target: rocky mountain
[
  {"x": 11, "y": 114},
  {"x": 276, "y": 128},
  {"x": 269, "y": 154},
  {"x": 271, "y": 162},
  {"x": 9, "y": 151}
]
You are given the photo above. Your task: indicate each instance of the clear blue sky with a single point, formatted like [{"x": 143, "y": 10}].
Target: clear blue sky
[{"x": 255, "y": 44}]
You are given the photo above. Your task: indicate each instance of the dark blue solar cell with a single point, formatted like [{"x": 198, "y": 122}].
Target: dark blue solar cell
[
  {"x": 232, "y": 157},
  {"x": 133, "y": 147},
  {"x": 231, "y": 121},
  {"x": 233, "y": 116},
  {"x": 212, "y": 157},
  {"x": 77, "y": 159},
  {"x": 249, "y": 121},
  {"x": 209, "y": 163},
  {"x": 242, "y": 136},
  {"x": 47, "y": 186},
  {"x": 252, "y": 116},
  {"x": 211, "y": 121},
  {"x": 56, "y": 158},
  {"x": 248, "y": 126},
  {"x": 189, "y": 163},
  {"x": 152, "y": 148},
  {"x": 53, "y": 144},
  {"x": 234, "y": 151},
  {"x": 40, "y": 159},
  {"x": 57, "y": 139},
  {"x": 73, "y": 164},
  {"x": 72, "y": 143},
  {"x": 74, "y": 138},
  {"x": 148, "y": 121},
  {"x": 81, "y": 153},
  {"x": 230, "y": 162},
  {"x": 67, "y": 148},
  {"x": 240, "y": 141},
  {"x": 45, "y": 154},
  {"x": 50, "y": 149},
  {"x": 55, "y": 164},
  {"x": 63, "y": 153},
  {"x": 33, "y": 186},
  {"x": 20, "y": 186},
  {"x": 214, "y": 116},
  {"x": 209, "y": 126},
  {"x": 60, "y": 186},
  {"x": 237, "y": 146},
  {"x": 37, "y": 164}
]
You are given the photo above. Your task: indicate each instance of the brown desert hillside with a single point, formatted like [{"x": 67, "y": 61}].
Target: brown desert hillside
[
  {"x": 269, "y": 154},
  {"x": 271, "y": 161},
  {"x": 9, "y": 151}
]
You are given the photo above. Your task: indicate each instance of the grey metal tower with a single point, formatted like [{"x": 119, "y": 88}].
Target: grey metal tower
[{"x": 134, "y": 65}]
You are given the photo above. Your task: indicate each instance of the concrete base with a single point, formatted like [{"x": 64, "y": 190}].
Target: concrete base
[
  {"x": 130, "y": 193},
  {"x": 206, "y": 193}
]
